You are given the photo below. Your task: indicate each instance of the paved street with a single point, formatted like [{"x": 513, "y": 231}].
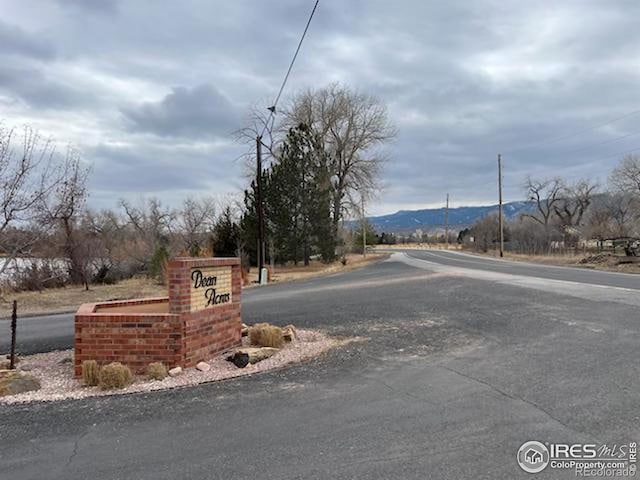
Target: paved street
[{"x": 459, "y": 361}]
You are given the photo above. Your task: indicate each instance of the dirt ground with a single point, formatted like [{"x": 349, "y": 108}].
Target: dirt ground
[
  {"x": 68, "y": 299},
  {"x": 597, "y": 261}
]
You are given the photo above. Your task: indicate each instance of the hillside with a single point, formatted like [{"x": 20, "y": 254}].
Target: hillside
[{"x": 433, "y": 218}]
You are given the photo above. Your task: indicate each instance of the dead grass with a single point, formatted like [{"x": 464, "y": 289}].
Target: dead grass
[
  {"x": 90, "y": 373},
  {"x": 570, "y": 259},
  {"x": 115, "y": 376},
  {"x": 317, "y": 268},
  {"x": 266, "y": 335},
  {"x": 156, "y": 371},
  {"x": 68, "y": 299},
  {"x": 58, "y": 300}
]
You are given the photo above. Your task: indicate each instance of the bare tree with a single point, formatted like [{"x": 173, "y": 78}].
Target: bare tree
[
  {"x": 196, "y": 219},
  {"x": 622, "y": 208},
  {"x": 546, "y": 194},
  {"x": 27, "y": 176},
  {"x": 485, "y": 232},
  {"x": 151, "y": 225},
  {"x": 64, "y": 207},
  {"x": 572, "y": 204},
  {"x": 350, "y": 127},
  {"x": 626, "y": 176}
]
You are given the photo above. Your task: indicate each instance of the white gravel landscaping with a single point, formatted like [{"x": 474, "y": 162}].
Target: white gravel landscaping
[{"x": 55, "y": 371}]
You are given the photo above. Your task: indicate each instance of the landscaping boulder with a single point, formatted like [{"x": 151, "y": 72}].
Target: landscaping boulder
[
  {"x": 289, "y": 333},
  {"x": 13, "y": 382},
  {"x": 244, "y": 356},
  {"x": 203, "y": 367},
  {"x": 175, "y": 371}
]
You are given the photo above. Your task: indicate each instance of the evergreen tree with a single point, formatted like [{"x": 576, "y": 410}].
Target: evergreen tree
[
  {"x": 298, "y": 200},
  {"x": 226, "y": 235}
]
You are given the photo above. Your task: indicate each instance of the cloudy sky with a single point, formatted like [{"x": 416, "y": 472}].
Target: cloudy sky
[{"x": 151, "y": 91}]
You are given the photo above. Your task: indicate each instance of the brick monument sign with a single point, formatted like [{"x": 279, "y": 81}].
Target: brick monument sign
[{"x": 199, "y": 319}]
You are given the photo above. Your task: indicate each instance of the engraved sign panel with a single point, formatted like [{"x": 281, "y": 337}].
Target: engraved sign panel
[{"x": 210, "y": 287}]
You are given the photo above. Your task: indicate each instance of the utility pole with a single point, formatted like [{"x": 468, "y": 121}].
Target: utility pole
[
  {"x": 259, "y": 208},
  {"x": 364, "y": 230},
  {"x": 14, "y": 319},
  {"x": 500, "y": 220},
  {"x": 446, "y": 224}
]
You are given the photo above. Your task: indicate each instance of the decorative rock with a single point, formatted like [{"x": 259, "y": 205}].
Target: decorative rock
[
  {"x": 289, "y": 333},
  {"x": 203, "y": 367},
  {"x": 65, "y": 360},
  {"x": 244, "y": 356},
  {"x": 175, "y": 371},
  {"x": 13, "y": 382},
  {"x": 245, "y": 330}
]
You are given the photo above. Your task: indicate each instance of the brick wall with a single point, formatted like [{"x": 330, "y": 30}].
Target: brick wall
[
  {"x": 167, "y": 330},
  {"x": 212, "y": 329}
]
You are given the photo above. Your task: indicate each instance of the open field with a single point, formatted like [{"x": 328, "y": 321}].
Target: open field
[
  {"x": 59, "y": 300},
  {"x": 67, "y": 299}
]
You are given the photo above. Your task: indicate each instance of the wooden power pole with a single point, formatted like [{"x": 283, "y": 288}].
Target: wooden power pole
[
  {"x": 500, "y": 219},
  {"x": 259, "y": 208},
  {"x": 364, "y": 230},
  {"x": 446, "y": 224}
]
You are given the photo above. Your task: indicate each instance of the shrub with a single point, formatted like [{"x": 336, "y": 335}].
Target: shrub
[
  {"x": 90, "y": 373},
  {"x": 265, "y": 335},
  {"x": 158, "y": 263},
  {"x": 115, "y": 375},
  {"x": 156, "y": 371},
  {"x": 37, "y": 276}
]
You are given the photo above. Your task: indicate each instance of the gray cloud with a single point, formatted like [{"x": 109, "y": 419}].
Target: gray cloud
[
  {"x": 16, "y": 41},
  {"x": 198, "y": 112},
  {"x": 463, "y": 82}
]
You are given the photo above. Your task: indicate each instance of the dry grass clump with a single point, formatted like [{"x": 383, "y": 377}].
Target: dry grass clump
[
  {"x": 266, "y": 335},
  {"x": 90, "y": 373},
  {"x": 115, "y": 375},
  {"x": 156, "y": 371}
]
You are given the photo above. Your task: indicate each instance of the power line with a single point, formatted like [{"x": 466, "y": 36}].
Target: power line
[
  {"x": 261, "y": 250},
  {"x": 578, "y": 132},
  {"x": 605, "y": 142},
  {"x": 272, "y": 109}
]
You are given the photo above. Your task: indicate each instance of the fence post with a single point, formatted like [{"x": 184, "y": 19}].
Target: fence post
[{"x": 14, "y": 321}]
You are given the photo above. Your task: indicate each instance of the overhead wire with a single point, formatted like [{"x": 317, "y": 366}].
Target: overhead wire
[
  {"x": 272, "y": 108},
  {"x": 570, "y": 135}
]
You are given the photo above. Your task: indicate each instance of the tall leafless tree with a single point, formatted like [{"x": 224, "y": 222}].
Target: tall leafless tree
[
  {"x": 572, "y": 204},
  {"x": 351, "y": 127},
  {"x": 626, "y": 176},
  {"x": 545, "y": 194},
  {"x": 64, "y": 207},
  {"x": 27, "y": 177},
  {"x": 196, "y": 219}
]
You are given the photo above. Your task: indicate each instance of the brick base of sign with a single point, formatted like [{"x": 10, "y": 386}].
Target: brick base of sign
[{"x": 179, "y": 330}]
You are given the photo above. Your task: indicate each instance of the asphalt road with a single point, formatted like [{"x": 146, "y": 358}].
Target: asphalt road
[{"x": 465, "y": 359}]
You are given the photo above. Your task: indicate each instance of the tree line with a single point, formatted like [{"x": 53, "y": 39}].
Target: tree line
[
  {"x": 323, "y": 155},
  {"x": 324, "y": 159},
  {"x": 565, "y": 215}
]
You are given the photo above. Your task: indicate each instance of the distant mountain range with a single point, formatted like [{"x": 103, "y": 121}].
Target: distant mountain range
[{"x": 434, "y": 218}]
